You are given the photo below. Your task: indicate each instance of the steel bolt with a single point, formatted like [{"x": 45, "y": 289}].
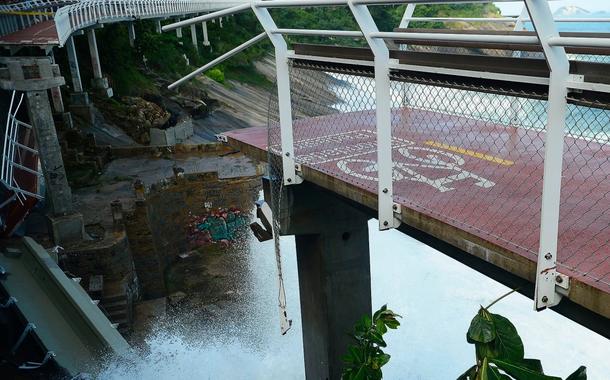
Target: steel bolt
[
  {"x": 287, "y": 154},
  {"x": 548, "y": 256},
  {"x": 395, "y": 207},
  {"x": 289, "y": 180},
  {"x": 558, "y": 279},
  {"x": 385, "y": 191},
  {"x": 385, "y": 224},
  {"x": 545, "y": 299}
]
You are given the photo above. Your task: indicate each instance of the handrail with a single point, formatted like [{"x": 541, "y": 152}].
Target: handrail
[
  {"x": 75, "y": 17},
  {"x": 504, "y": 19}
]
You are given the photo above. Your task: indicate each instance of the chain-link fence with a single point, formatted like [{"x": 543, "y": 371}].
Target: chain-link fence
[
  {"x": 584, "y": 227},
  {"x": 470, "y": 157}
]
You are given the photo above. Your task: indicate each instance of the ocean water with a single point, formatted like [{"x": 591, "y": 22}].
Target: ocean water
[{"x": 436, "y": 295}]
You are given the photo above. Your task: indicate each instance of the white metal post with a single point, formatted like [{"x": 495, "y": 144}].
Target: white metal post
[
  {"x": 406, "y": 17},
  {"x": 283, "y": 94},
  {"x": 547, "y": 278},
  {"x": 383, "y": 106}
]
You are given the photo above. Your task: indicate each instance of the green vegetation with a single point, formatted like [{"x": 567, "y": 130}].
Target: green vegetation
[
  {"x": 365, "y": 357},
  {"x": 166, "y": 56},
  {"x": 217, "y": 75},
  {"x": 500, "y": 353}
]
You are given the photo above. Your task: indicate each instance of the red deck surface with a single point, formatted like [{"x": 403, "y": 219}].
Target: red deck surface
[
  {"x": 41, "y": 34},
  {"x": 480, "y": 177}
]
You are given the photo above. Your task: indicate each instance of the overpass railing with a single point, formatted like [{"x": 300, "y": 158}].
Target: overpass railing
[
  {"x": 410, "y": 132},
  {"x": 23, "y": 14},
  {"x": 87, "y": 13}
]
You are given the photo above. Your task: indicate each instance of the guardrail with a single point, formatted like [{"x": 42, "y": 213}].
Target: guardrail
[
  {"x": 74, "y": 17},
  {"x": 21, "y": 15},
  {"x": 13, "y": 152},
  {"x": 381, "y": 99}
]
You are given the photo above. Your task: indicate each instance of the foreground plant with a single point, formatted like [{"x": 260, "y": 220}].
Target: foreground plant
[
  {"x": 500, "y": 353},
  {"x": 366, "y": 357}
]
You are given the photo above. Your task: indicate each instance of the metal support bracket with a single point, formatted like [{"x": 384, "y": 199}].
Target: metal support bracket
[
  {"x": 11, "y": 301},
  {"x": 263, "y": 231},
  {"x": 283, "y": 91},
  {"x": 575, "y": 78},
  {"x": 383, "y": 106},
  {"x": 222, "y": 138},
  {"x": 33, "y": 365},
  {"x": 546, "y": 294},
  {"x": 29, "y": 327}
]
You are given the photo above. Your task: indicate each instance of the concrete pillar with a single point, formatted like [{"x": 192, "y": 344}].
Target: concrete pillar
[
  {"x": 94, "y": 53},
  {"x": 99, "y": 82},
  {"x": 220, "y": 22},
  {"x": 58, "y": 102},
  {"x": 59, "y": 194},
  {"x": 334, "y": 273},
  {"x": 77, "y": 84},
  {"x": 194, "y": 37},
  {"x": 179, "y": 33},
  {"x": 131, "y": 30},
  {"x": 206, "y": 40},
  {"x": 158, "y": 26}
]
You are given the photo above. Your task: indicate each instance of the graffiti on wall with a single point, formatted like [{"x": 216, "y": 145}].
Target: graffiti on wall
[{"x": 218, "y": 226}]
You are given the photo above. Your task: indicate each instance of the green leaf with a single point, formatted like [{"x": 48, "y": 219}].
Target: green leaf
[
  {"x": 508, "y": 344},
  {"x": 488, "y": 372},
  {"x": 482, "y": 328},
  {"x": 470, "y": 374},
  {"x": 381, "y": 327},
  {"x": 377, "y": 338},
  {"x": 579, "y": 374},
  {"x": 378, "y": 312},
  {"x": 533, "y": 364},
  {"x": 520, "y": 372}
]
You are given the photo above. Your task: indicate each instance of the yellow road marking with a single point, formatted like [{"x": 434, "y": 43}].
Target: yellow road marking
[{"x": 469, "y": 152}]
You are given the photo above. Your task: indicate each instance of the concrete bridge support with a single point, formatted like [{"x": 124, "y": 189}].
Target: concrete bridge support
[
  {"x": 334, "y": 273},
  {"x": 206, "y": 39},
  {"x": 99, "y": 81},
  {"x": 78, "y": 96},
  {"x": 65, "y": 225},
  {"x": 194, "y": 37},
  {"x": 179, "y": 33},
  {"x": 131, "y": 30},
  {"x": 158, "y": 26}
]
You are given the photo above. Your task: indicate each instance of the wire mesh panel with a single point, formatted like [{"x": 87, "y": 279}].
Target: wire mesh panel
[
  {"x": 335, "y": 129},
  {"x": 584, "y": 233},
  {"x": 470, "y": 158}
]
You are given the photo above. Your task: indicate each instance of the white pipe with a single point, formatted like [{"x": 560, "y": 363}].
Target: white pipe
[
  {"x": 580, "y": 41},
  {"x": 317, "y": 3},
  {"x": 526, "y": 40},
  {"x": 218, "y": 60},
  {"x": 317, "y": 32},
  {"x": 208, "y": 17},
  {"x": 5, "y": 146},
  {"x": 502, "y": 19}
]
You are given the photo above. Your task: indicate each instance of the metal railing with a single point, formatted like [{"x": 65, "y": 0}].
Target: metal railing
[
  {"x": 75, "y": 17},
  {"x": 14, "y": 151},
  {"x": 400, "y": 119},
  {"x": 20, "y": 15}
]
